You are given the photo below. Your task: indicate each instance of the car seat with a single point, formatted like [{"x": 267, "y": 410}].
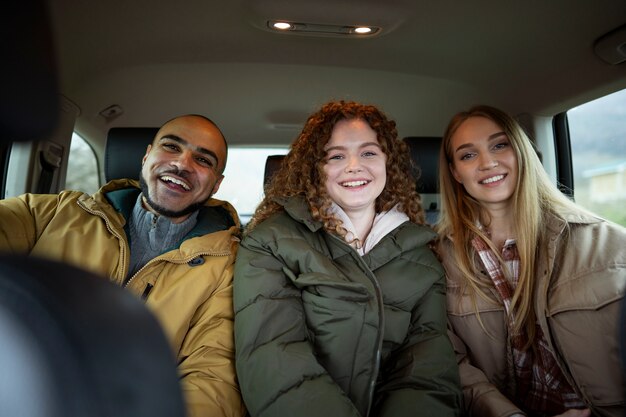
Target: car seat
[
  {"x": 425, "y": 156},
  {"x": 125, "y": 148},
  {"x": 76, "y": 345},
  {"x": 72, "y": 344},
  {"x": 272, "y": 164}
]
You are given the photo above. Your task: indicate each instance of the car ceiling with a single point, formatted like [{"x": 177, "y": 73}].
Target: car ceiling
[{"x": 156, "y": 60}]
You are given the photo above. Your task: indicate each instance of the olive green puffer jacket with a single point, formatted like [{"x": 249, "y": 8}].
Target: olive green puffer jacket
[{"x": 322, "y": 331}]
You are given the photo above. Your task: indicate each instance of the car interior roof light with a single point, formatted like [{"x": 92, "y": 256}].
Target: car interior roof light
[
  {"x": 281, "y": 25},
  {"x": 322, "y": 29},
  {"x": 362, "y": 30}
]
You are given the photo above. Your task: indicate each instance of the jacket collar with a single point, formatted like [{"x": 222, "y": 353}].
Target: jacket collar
[
  {"x": 382, "y": 224},
  {"x": 298, "y": 209},
  {"x": 557, "y": 223},
  {"x": 122, "y": 194}
]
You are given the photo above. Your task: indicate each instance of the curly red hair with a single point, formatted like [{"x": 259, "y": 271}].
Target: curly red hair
[{"x": 302, "y": 171}]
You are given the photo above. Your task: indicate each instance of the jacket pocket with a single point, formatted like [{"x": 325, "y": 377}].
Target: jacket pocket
[
  {"x": 460, "y": 303},
  {"x": 330, "y": 287},
  {"x": 583, "y": 315},
  {"x": 335, "y": 326},
  {"x": 588, "y": 343},
  {"x": 588, "y": 292},
  {"x": 335, "y": 297},
  {"x": 397, "y": 324}
]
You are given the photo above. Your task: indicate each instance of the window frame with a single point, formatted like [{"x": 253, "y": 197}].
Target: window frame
[{"x": 563, "y": 155}]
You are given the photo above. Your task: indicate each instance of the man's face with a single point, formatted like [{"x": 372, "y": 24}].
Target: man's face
[{"x": 183, "y": 167}]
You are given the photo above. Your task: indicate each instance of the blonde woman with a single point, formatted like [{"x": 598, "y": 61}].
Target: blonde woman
[
  {"x": 534, "y": 283},
  {"x": 339, "y": 300}
]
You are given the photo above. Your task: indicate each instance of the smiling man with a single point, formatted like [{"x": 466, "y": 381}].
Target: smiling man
[
  {"x": 163, "y": 238},
  {"x": 183, "y": 167}
]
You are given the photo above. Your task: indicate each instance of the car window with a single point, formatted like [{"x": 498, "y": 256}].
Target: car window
[
  {"x": 243, "y": 178},
  {"x": 598, "y": 133},
  {"x": 82, "y": 169}
]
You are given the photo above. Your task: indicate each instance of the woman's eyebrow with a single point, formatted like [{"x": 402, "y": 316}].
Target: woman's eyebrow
[
  {"x": 491, "y": 137},
  {"x": 463, "y": 146},
  {"x": 496, "y": 135},
  {"x": 363, "y": 145}
]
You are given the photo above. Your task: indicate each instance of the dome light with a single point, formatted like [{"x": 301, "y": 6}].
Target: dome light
[
  {"x": 282, "y": 25},
  {"x": 361, "y": 30},
  {"x": 318, "y": 29}
]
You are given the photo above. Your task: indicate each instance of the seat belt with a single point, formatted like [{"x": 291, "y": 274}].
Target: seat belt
[{"x": 50, "y": 160}]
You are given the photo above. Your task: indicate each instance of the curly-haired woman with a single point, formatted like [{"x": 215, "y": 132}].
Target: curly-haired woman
[{"x": 339, "y": 299}]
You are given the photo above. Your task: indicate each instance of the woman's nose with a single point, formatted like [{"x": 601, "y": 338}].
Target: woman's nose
[
  {"x": 487, "y": 162},
  {"x": 353, "y": 164}
]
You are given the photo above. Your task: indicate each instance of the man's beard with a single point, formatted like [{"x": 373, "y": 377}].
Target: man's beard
[{"x": 165, "y": 211}]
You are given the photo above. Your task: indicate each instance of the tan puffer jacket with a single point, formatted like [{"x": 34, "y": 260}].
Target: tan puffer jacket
[
  {"x": 581, "y": 280},
  {"x": 188, "y": 288}
]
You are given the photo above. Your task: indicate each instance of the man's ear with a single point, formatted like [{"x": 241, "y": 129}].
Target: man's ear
[
  {"x": 143, "y": 160},
  {"x": 454, "y": 173},
  {"x": 216, "y": 187}
]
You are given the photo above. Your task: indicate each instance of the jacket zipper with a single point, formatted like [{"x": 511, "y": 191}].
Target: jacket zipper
[
  {"x": 121, "y": 268},
  {"x": 551, "y": 249},
  {"x": 381, "y": 318}
]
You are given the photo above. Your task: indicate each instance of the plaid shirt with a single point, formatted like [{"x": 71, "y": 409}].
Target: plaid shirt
[{"x": 541, "y": 387}]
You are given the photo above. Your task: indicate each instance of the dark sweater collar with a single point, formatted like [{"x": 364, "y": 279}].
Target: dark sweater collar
[{"x": 210, "y": 218}]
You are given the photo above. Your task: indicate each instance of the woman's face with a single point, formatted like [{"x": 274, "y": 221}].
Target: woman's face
[
  {"x": 355, "y": 167},
  {"x": 484, "y": 161}
]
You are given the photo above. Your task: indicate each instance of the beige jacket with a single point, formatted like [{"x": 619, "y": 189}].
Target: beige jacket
[
  {"x": 188, "y": 288},
  {"x": 581, "y": 280}
]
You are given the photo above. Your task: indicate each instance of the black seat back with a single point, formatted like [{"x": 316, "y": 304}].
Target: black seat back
[
  {"x": 71, "y": 344},
  {"x": 272, "y": 164},
  {"x": 124, "y": 150},
  {"x": 425, "y": 155},
  {"x": 74, "y": 344},
  {"x": 30, "y": 104}
]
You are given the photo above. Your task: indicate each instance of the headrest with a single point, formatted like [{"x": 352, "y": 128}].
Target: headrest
[
  {"x": 425, "y": 155},
  {"x": 125, "y": 148},
  {"x": 272, "y": 163}
]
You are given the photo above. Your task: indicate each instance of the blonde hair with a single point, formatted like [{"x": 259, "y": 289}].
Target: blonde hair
[
  {"x": 302, "y": 171},
  {"x": 535, "y": 195}
]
